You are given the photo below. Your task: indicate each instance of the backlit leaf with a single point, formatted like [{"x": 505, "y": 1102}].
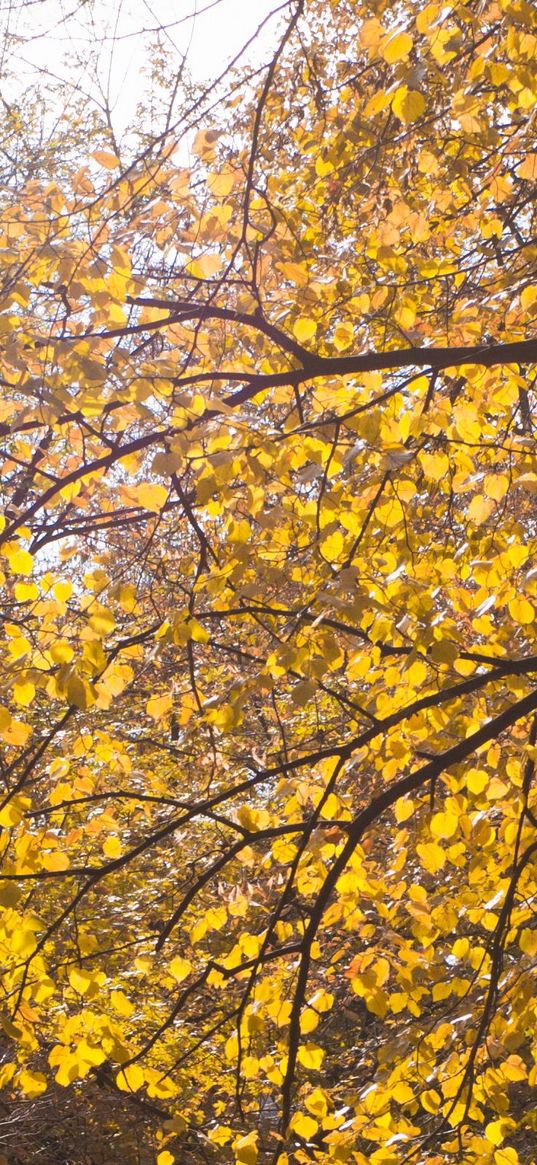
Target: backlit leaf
[
  {"x": 304, "y": 329},
  {"x": 408, "y": 104},
  {"x": 396, "y": 47}
]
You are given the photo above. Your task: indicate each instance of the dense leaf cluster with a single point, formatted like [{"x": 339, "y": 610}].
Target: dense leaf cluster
[{"x": 269, "y": 598}]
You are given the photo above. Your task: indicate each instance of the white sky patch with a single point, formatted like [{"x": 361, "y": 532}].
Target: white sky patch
[{"x": 104, "y": 48}]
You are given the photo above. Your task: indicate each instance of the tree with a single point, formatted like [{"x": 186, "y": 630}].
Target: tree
[{"x": 269, "y": 714}]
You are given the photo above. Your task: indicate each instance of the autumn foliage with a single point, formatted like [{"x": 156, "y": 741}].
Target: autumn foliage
[{"x": 269, "y": 606}]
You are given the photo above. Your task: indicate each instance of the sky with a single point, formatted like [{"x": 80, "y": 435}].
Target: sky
[{"x": 103, "y": 46}]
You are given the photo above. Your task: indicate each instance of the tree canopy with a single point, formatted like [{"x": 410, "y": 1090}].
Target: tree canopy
[{"x": 269, "y": 594}]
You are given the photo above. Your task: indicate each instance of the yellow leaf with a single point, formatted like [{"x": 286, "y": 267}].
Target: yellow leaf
[
  {"x": 434, "y": 465},
  {"x": 61, "y": 651},
  {"x": 158, "y": 706},
  {"x": 476, "y": 781},
  {"x": 446, "y": 43},
  {"x": 304, "y": 329},
  {"x": 7, "y": 1073},
  {"x": 331, "y": 807},
  {"x": 310, "y": 1056},
  {"x": 496, "y": 485},
  {"x": 317, "y": 1102},
  {"x": 115, "y": 314},
  {"x": 514, "y": 1068},
  {"x": 371, "y": 33},
  {"x": 197, "y": 632},
  {"x": 32, "y": 1083},
  {"x": 403, "y": 809},
  {"x": 527, "y": 942},
  {"x": 108, "y": 160},
  {"x": 68, "y": 1070},
  {"x": 408, "y": 104},
  {"x": 405, "y": 315},
  {"x": 9, "y": 896},
  {"x": 13, "y": 812},
  {"x": 254, "y": 1022},
  {"x": 24, "y": 592},
  {"x": 13, "y": 731},
  {"x": 396, "y": 47},
  {"x": 402, "y": 1093},
  {"x": 180, "y": 968},
  {"x": 322, "y": 167},
  {"x": 165, "y": 1158},
  {"x": 250, "y": 1067},
  {"x": 528, "y": 296},
  {"x": 322, "y": 1000},
  {"x": 430, "y": 1101},
  {"x": 309, "y": 1021},
  {"x": 88, "y": 1055},
  {"x": 528, "y": 168},
  {"x": 112, "y": 847},
  {"x": 304, "y": 1125},
  {"x": 121, "y": 1004},
  {"x": 23, "y": 693},
  {"x": 204, "y": 266},
  {"x": 131, "y": 1078},
  {"x": 80, "y": 980},
  {"x": 21, "y": 562},
  {"x": 521, "y": 611},
  {"x": 166, "y": 463},
  {"x": 506, "y": 1156},
  {"x": 86, "y": 982},
  {"x": 295, "y": 272},
  {"x": 220, "y": 1135},
  {"x": 444, "y": 824},
  {"x": 442, "y": 651},
  {"x": 62, "y": 590},
  {"x": 480, "y": 509},
  {"x": 151, "y": 497},
  {"x": 127, "y": 598},
  {"x": 78, "y": 692},
  {"x": 343, "y": 337},
  {"x": 55, "y": 861},
  {"x": 246, "y": 1150},
  {"x": 496, "y": 1131},
  {"x": 221, "y": 184},
  {"x": 432, "y": 857},
  {"x": 497, "y": 789}
]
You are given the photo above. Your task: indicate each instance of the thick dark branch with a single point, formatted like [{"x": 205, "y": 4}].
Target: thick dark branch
[
  {"x": 183, "y": 311},
  {"x": 520, "y": 352}
]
